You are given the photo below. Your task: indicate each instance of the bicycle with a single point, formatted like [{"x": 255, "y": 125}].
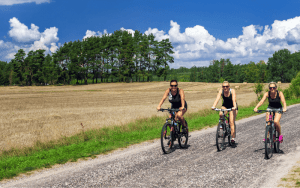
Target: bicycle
[
  {"x": 171, "y": 131},
  {"x": 223, "y": 130},
  {"x": 271, "y": 132}
]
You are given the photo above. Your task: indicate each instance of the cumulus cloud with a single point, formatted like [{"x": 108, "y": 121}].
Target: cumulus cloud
[
  {"x": 90, "y": 33},
  {"x": 13, "y": 2},
  {"x": 21, "y": 33},
  {"x": 28, "y": 39},
  {"x": 159, "y": 35},
  {"x": 197, "y": 44}
]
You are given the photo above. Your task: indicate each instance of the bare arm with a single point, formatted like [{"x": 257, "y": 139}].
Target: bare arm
[
  {"x": 261, "y": 101},
  {"x": 233, "y": 98},
  {"x": 163, "y": 99},
  {"x": 218, "y": 98},
  {"x": 282, "y": 100},
  {"x": 182, "y": 96}
]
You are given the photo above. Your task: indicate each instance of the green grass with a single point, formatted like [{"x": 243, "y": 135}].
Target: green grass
[{"x": 100, "y": 141}]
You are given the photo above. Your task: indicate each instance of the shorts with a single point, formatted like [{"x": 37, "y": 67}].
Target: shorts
[
  {"x": 272, "y": 108},
  {"x": 175, "y": 106}
]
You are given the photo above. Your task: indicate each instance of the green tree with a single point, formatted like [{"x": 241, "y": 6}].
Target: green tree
[{"x": 278, "y": 66}]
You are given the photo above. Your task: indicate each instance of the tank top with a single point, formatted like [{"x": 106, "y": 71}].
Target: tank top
[
  {"x": 175, "y": 100},
  {"x": 274, "y": 103},
  {"x": 227, "y": 101}
]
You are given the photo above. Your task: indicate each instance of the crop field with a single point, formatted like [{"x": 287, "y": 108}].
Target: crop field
[{"x": 44, "y": 113}]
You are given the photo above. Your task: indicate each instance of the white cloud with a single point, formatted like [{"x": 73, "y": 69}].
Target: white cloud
[
  {"x": 159, "y": 35},
  {"x": 90, "y": 33},
  {"x": 33, "y": 39},
  {"x": 13, "y": 2},
  {"x": 21, "y": 33}
]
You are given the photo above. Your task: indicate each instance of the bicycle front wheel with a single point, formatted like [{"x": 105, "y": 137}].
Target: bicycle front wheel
[
  {"x": 276, "y": 142},
  {"x": 269, "y": 142},
  {"x": 220, "y": 136},
  {"x": 184, "y": 136},
  {"x": 166, "y": 138}
]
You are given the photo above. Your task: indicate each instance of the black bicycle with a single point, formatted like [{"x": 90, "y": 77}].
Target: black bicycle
[
  {"x": 271, "y": 134},
  {"x": 171, "y": 131},
  {"x": 223, "y": 130}
]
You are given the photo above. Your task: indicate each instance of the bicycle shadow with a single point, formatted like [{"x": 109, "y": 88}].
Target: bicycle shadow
[
  {"x": 176, "y": 147},
  {"x": 263, "y": 149},
  {"x": 227, "y": 145}
]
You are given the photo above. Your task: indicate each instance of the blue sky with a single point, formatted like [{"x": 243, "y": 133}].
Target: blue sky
[{"x": 200, "y": 31}]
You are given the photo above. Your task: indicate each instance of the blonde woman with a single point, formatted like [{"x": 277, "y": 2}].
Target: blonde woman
[
  {"x": 177, "y": 99},
  {"x": 275, "y": 98},
  {"x": 229, "y": 101}
]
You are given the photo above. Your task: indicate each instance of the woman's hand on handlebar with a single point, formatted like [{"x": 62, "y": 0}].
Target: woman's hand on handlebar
[
  {"x": 181, "y": 108},
  {"x": 158, "y": 108}
]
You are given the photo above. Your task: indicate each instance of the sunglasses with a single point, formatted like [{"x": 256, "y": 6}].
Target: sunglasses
[
  {"x": 225, "y": 86},
  {"x": 272, "y": 88},
  {"x": 173, "y": 85}
]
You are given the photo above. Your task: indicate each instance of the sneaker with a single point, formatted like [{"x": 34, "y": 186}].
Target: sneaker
[
  {"x": 184, "y": 129},
  {"x": 280, "y": 139},
  {"x": 265, "y": 140},
  {"x": 232, "y": 143}
]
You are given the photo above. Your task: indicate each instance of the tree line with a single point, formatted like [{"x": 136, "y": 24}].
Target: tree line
[
  {"x": 120, "y": 57},
  {"x": 282, "y": 66},
  {"x": 123, "y": 57}
]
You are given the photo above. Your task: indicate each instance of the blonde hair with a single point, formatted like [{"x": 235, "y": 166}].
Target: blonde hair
[
  {"x": 273, "y": 83},
  {"x": 225, "y": 82}
]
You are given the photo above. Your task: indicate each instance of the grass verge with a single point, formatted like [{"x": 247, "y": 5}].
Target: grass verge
[{"x": 93, "y": 142}]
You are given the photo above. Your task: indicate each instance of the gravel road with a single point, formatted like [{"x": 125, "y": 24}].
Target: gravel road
[{"x": 200, "y": 165}]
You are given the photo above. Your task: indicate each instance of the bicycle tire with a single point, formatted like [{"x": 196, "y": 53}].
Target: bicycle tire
[
  {"x": 184, "y": 137},
  {"x": 229, "y": 135},
  {"x": 166, "y": 138},
  {"x": 276, "y": 142},
  {"x": 268, "y": 142},
  {"x": 220, "y": 137}
]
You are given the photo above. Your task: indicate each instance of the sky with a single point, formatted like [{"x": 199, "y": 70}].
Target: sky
[{"x": 200, "y": 31}]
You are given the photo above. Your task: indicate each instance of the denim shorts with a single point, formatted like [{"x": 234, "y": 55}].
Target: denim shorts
[{"x": 271, "y": 108}]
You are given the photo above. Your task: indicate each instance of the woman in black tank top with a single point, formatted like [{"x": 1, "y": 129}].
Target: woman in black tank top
[
  {"x": 275, "y": 98},
  {"x": 177, "y": 100},
  {"x": 229, "y": 101}
]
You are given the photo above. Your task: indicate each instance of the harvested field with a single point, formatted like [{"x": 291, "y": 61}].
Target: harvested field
[{"x": 45, "y": 113}]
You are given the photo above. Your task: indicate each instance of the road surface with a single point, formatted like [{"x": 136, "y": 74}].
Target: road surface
[{"x": 200, "y": 165}]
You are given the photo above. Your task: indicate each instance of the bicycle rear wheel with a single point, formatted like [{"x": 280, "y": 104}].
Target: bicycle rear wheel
[
  {"x": 184, "y": 136},
  {"x": 166, "y": 138},
  {"x": 268, "y": 142},
  {"x": 276, "y": 142},
  {"x": 220, "y": 137}
]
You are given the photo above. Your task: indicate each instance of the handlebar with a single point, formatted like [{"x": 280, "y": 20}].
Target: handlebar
[
  {"x": 222, "y": 110},
  {"x": 170, "y": 109},
  {"x": 261, "y": 111}
]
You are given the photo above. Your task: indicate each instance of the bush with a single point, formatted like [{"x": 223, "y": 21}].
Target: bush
[
  {"x": 258, "y": 88},
  {"x": 295, "y": 85},
  {"x": 221, "y": 80}
]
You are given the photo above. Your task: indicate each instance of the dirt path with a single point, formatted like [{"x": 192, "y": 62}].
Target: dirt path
[{"x": 200, "y": 165}]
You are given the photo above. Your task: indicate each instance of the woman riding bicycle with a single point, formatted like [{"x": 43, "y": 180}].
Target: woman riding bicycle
[
  {"x": 177, "y": 99},
  {"x": 229, "y": 101},
  {"x": 274, "y": 98}
]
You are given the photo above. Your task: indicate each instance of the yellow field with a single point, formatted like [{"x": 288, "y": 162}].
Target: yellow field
[{"x": 45, "y": 113}]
